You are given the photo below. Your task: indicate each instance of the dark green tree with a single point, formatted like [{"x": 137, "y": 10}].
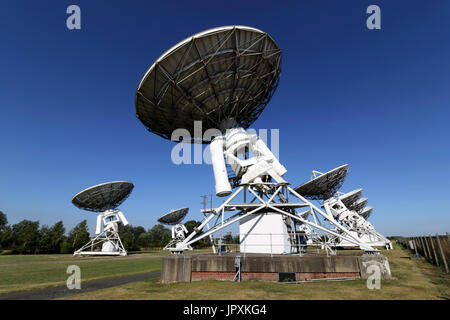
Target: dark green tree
[
  {"x": 6, "y": 238},
  {"x": 58, "y": 236},
  {"x": 228, "y": 238},
  {"x": 137, "y": 231},
  {"x": 144, "y": 240},
  {"x": 130, "y": 236},
  {"x": 5, "y": 232},
  {"x": 126, "y": 235},
  {"x": 159, "y": 235},
  {"x": 26, "y": 236},
  {"x": 45, "y": 239},
  {"x": 52, "y": 238},
  {"x": 3, "y": 220},
  {"x": 78, "y": 237}
]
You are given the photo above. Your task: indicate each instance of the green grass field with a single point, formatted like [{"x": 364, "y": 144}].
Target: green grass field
[
  {"x": 28, "y": 272},
  {"x": 414, "y": 279}
]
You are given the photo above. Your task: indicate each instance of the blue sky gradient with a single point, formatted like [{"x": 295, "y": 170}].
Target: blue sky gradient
[{"x": 375, "y": 99}]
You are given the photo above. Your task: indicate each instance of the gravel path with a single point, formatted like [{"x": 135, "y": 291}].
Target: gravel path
[{"x": 62, "y": 291}]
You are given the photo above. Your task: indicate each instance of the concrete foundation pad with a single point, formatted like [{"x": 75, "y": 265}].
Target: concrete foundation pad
[{"x": 186, "y": 268}]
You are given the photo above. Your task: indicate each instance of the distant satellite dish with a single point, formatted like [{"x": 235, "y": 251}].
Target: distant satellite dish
[
  {"x": 324, "y": 186},
  {"x": 351, "y": 197},
  {"x": 223, "y": 77},
  {"x": 358, "y": 205},
  {"x": 365, "y": 213},
  {"x": 104, "y": 199},
  {"x": 103, "y": 196},
  {"x": 174, "y": 216}
]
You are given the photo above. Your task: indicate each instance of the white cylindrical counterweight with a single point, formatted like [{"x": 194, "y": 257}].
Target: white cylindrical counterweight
[
  {"x": 262, "y": 147},
  {"x": 122, "y": 218},
  {"x": 223, "y": 187},
  {"x": 98, "y": 228}
]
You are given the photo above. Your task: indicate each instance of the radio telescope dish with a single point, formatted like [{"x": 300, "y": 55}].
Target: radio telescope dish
[
  {"x": 351, "y": 197},
  {"x": 218, "y": 75},
  {"x": 324, "y": 186},
  {"x": 358, "y": 205},
  {"x": 365, "y": 213},
  {"x": 103, "y": 196},
  {"x": 174, "y": 216}
]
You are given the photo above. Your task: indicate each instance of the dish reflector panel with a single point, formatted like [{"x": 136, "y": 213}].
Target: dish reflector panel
[
  {"x": 103, "y": 196},
  {"x": 358, "y": 205},
  {"x": 216, "y": 75},
  {"x": 365, "y": 213},
  {"x": 173, "y": 216},
  {"x": 351, "y": 197},
  {"x": 324, "y": 186}
]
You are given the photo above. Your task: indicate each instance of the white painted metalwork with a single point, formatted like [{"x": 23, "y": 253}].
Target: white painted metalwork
[
  {"x": 350, "y": 197},
  {"x": 107, "y": 240},
  {"x": 224, "y": 77},
  {"x": 103, "y": 199},
  {"x": 356, "y": 223},
  {"x": 261, "y": 176},
  {"x": 366, "y": 212}
]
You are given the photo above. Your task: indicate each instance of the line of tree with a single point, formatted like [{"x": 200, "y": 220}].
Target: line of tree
[
  {"x": 229, "y": 239},
  {"x": 27, "y": 237}
]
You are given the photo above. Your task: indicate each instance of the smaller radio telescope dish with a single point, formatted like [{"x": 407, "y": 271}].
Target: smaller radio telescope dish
[
  {"x": 103, "y": 196},
  {"x": 104, "y": 199},
  {"x": 325, "y": 185},
  {"x": 365, "y": 213},
  {"x": 174, "y": 216},
  {"x": 351, "y": 197},
  {"x": 358, "y": 205}
]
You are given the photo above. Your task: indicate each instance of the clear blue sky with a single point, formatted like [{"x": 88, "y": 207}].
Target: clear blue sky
[{"x": 377, "y": 100}]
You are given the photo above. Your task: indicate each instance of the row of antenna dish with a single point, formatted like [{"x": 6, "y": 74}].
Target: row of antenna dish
[{"x": 223, "y": 77}]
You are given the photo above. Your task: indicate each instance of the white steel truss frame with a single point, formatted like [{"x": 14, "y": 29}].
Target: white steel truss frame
[
  {"x": 105, "y": 236},
  {"x": 365, "y": 229},
  {"x": 282, "y": 190}
]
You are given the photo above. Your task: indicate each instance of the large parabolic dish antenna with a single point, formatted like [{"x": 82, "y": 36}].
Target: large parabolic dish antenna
[
  {"x": 365, "y": 213},
  {"x": 351, "y": 197},
  {"x": 324, "y": 186},
  {"x": 174, "y": 216},
  {"x": 103, "y": 196},
  {"x": 216, "y": 75}
]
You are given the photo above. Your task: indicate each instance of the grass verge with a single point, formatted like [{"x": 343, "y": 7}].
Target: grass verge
[
  {"x": 21, "y": 273},
  {"x": 413, "y": 279}
]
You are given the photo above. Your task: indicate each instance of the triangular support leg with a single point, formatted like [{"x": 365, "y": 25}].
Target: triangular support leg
[{"x": 110, "y": 237}]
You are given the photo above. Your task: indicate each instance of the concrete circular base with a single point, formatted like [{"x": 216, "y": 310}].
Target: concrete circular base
[{"x": 187, "y": 268}]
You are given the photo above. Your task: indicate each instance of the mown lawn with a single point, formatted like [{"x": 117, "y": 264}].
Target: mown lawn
[
  {"x": 28, "y": 272},
  {"x": 413, "y": 279}
]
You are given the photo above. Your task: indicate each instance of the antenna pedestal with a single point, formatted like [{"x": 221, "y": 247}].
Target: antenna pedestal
[
  {"x": 107, "y": 241},
  {"x": 275, "y": 201},
  {"x": 356, "y": 224}
]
